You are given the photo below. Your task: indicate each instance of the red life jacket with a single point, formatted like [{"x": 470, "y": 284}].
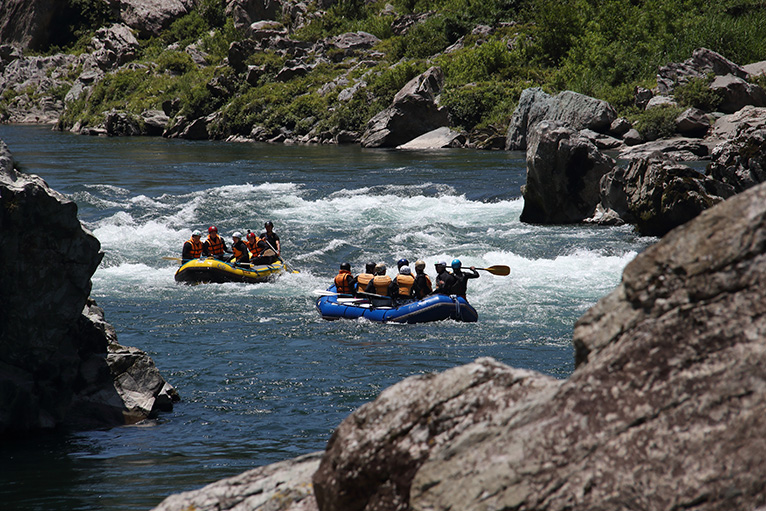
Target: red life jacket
[
  {"x": 381, "y": 283},
  {"x": 343, "y": 282},
  {"x": 405, "y": 283},
  {"x": 196, "y": 248},
  {"x": 215, "y": 247}
]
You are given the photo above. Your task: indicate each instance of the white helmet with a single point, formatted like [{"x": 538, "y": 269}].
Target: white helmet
[
  {"x": 237, "y": 234},
  {"x": 405, "y": 270},
  {"x": 196, "y": 233}
]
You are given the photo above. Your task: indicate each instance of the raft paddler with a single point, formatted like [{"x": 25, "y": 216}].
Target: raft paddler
[
  {"x": 345, "y": 283},
  {"x": 192, "y": 248},
  {"x": 422, "y": 280},
  {"x": 364, "y": 278},
  {"x": 239, "y": 249}
]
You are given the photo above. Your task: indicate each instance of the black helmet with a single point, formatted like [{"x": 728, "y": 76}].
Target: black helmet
[
  {"x": 402, "y": 262},
  {"x": 269, "y": 224},
  {"x": 370, "y": 267},
  {"x": 345, "y": 266}
]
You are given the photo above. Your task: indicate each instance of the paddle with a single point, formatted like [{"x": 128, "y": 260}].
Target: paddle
[
  {"x": 322, "y": 292},
  {"x": 172, "y": 258},
  {"x": 497, "y": 269},
  {"x": 287, "y": 265}
]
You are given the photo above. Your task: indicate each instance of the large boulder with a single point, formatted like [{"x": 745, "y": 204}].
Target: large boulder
[
  {"x": 576, "y": 110},
  {"x": 413, "y": 112},
  {"x": 60, "y": 365},
  {"x": 150, "y": 17},
  {"x": 564, "y": 170},
  {"x": 657, "y": 195},
  {"x": 741, "y": 161},
  {"x": 736, "y": 93},
  {"x": 702, "y": 63},
  {"x": 26, "y": 23}
]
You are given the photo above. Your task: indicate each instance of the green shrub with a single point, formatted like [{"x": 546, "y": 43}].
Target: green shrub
[
  {"x": 656, "y": 122},
  {"x": 480, "y": 105},
  {"x": 177, "y": 62},
  {"x": 698, "y": 94}
]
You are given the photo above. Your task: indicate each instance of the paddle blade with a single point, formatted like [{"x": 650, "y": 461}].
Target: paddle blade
[
  {"x": 172, "y": 258},
  {"x": 322, "y": 292},
  {"x": 497, "y": 269}
]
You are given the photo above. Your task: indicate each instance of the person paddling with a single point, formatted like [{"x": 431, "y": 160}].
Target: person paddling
[
  {"x": 364, "y": 278},
  {"x": 239, "y": 249},
  {"x": 445, "y": 281},
  {"x": 345, "y": 283},
  {"x": 422, "y": 280},
  {"x": 461, "y": 279}
]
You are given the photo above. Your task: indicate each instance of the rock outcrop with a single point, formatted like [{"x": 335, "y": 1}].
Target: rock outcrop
[
  {"x": 564, "y": 171},
  {"x": 149, "y": 17},
  {"x": 576, "y": 110},
  {"x": 26, "y": 23},
  {"x": 741, "y": 161},
  {"x": 413, "y": 112},
  {"x": 60, "y": 365}
]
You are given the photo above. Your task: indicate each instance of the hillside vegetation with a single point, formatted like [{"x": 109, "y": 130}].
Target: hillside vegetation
[{"x": 600, "y": 48}]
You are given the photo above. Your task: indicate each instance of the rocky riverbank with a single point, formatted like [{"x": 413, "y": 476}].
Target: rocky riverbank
[{"x": 60, "y": 364}]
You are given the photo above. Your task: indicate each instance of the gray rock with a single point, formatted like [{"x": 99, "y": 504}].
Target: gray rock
[
  {"x": 632, "y": 137},
  {"x": 155, "y": 122},
  {"x": 119, "y": 124},
  {"x": 737, "y": 93},
  {"x": 246, "y": 12},
  {"x": 413, "y": 112},
  {"x": 26, "y": 23},
  {"x": 740, "y": 162},
  {"x": 619, "y": 127},
  {"x": 60, "y": 365},
  {"x": 702, "y": 63},
  {"x": 755, "y": 69},
  {"x": 372, "y": 456},
  {"x": 284, "y": 486},
  {"x": 693, "y": 123},
  {"x": 150, "y": 17},
  {"x": 642, "y": 96},
  {"x": 266, "y": 30},
  {"x": 113, "y": 46},
  {"x": 439, "y": 138},
  {"x": 660, "y": 101},
  {"x": 563, "y": 174},
  {"x": 575, "y": 110},
  {"x": 730, "y": 126},
  {"x": 675, "y": 149},
  {"x": 660, "y": 195}
]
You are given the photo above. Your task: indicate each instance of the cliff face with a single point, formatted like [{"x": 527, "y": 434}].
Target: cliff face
[{"x": 57, "y": 355}]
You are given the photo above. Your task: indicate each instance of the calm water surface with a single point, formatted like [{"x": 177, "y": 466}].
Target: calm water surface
[{"x": 262, "y": 377}]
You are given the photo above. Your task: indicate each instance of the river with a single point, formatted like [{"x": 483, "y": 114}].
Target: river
[{"x": 261, "y": 376}]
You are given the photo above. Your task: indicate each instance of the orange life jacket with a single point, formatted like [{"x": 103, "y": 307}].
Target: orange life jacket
[
  {"x": 363, "y": 279},
  {"x": 215, "y": 247},
  {"x": 252, "y": 246},
  {"x": 405, "y": 283},
  {"x": 342, "y": 283},
  {"x": 381, "y": 283},
  {"x": 196, "y": 248},
  {"x": 236, "y": 252}
]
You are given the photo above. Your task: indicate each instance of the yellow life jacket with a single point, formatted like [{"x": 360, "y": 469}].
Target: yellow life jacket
[
  {"x": 363, "y": 279},
  {"x": 405, "y": 283},
  {"x": 381, "y": 283}
]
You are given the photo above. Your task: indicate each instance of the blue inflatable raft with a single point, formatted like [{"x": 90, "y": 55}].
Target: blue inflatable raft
[{"x": 431, "y": 308}]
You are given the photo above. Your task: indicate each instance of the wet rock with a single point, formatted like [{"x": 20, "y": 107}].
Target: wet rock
[
  {"x": 60, "y": 366},
  {"x": 563, "y": 174},
  {"x": 413, "y": 112}
]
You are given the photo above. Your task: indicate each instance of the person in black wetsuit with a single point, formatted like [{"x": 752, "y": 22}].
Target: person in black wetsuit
[
  {"x": 460, "y": 278},
  {"x": 422, "y": 280},
  {"x": 445, "y": 281}
]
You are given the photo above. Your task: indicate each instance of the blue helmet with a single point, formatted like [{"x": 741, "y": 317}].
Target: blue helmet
[
  {"x": 402, "y": 262},
  {"x": 456, "y": 264}
]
